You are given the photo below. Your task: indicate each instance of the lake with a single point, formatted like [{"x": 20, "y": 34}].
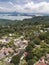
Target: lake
[{"x": 14, "y": 17}]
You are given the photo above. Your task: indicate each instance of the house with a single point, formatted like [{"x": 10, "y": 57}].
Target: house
[
  {"x": 8, "y": 59},
  {"x": 5, "y": 51},
  {"x": 25, "y": 54},
  {"x": 41, "y": 63},
  {"x": 17, "y": 42},
  {"x": 47, "y": 56},
  {"x": 25, "y": 41},
  {"x": 41, "y": 31},
  {"x": 5, "y": 40},
  {"x": 1, "y": 55}
]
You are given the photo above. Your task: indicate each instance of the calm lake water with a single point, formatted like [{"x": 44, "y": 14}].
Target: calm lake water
[{"x": 14, "y": 17}]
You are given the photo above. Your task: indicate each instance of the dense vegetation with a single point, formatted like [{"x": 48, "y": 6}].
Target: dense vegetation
[
  {"x": 38, "y": 45},
  {"x": 20, "y": 27}
]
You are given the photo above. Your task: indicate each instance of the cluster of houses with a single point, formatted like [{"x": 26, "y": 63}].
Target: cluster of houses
[
  {"x": 20, "y": 42},
  {"x": 36, "y": 33},
  {"x": 44, "y": 30},
  {"x": 17, "y": 42},
  {"x": 5, "y": 52}
]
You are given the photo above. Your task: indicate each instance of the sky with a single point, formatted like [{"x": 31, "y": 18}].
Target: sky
[{"x": 25, "y": 6}]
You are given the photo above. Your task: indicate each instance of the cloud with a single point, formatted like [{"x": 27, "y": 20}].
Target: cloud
[
  {"x": 31, "y": 7},
  {"x": 28, "y": 6},
  {"x": 42, "y": 7}
]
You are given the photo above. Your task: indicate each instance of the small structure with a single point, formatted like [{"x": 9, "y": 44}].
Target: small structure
[
  {"x": 24, "y": 55},
  {"x": 41, "y": 62}
]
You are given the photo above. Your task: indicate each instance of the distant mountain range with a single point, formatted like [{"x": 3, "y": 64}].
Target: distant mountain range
[
  {"x": 23, "y": 14},
  {"x": 15, "y": 14}
]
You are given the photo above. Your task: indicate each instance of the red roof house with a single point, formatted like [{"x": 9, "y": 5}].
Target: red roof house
[{"x": 41, "y": 63}]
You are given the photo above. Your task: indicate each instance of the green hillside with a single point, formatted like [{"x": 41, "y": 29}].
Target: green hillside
[{"x": 38, "y": 19}]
